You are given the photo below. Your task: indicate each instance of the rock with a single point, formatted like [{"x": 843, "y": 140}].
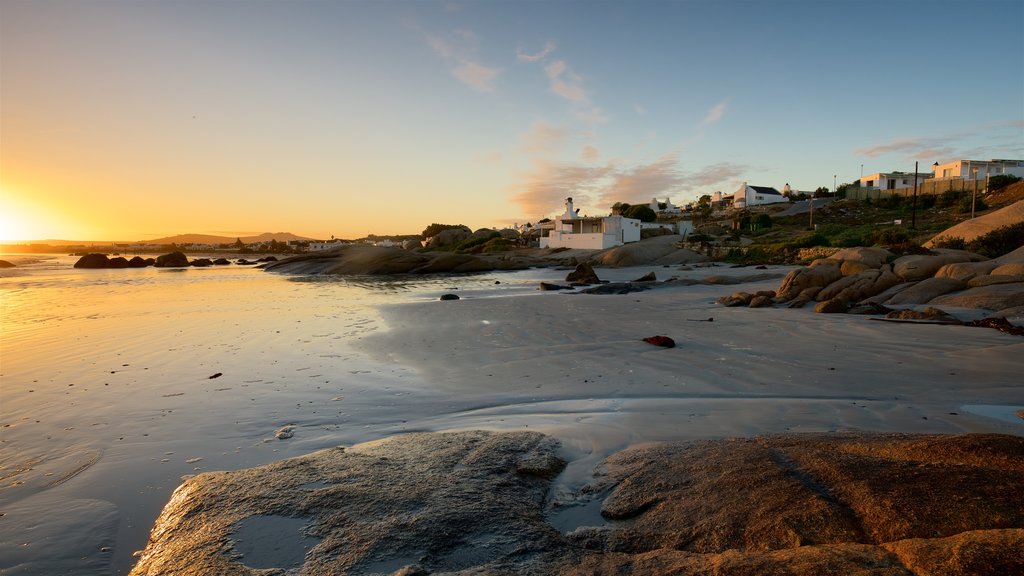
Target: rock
[
  {"x": 284, "y": 432},
  {"x": 1015, "y": 269},
  {"x": 449, "y": 297},
  {"x": 869, "y": 308},
  {"x": 118, "y": 262},
  {"x": 663, "y": 341},
  {"x": 853, "y": 268},
  {"x": 930, "y": 314},
  {"x": 6, "y": 264},
  {"x": 466, "y": 501},
  {"x": 736, "y": 299},
  {"x": 966, "y": 270},
  {"x": 172, "y": 260},
  {"x": 995, "y": 297},
  {"x": 584, "y": 273},
  {"x": 832, "y": 290},
  {"x": 92, "y": 261},
  {"x": 979, "y": 281},
  {"x": 833, "y": 306},
  {"x": 659, "y": 250},
  {"x": 649, "y": 277},
  {"x": 926, "y": 290},
  {"x": 547, "y": 286},
  {"x": 819, "y": 276},
  {"x": 920, "y": 266},
  {"x": 761, "y": 301},
  {"x": 869, "y": 256},
  {"x": 888, "y": 293},
  {"x": 221, "y": 262},
  {"x": 449, "y": 238},
  {"x": 617, "y": 288},
  {"x": 202, "y": 262},
  {"x": 969, "y": 553},
  {"x": 137, "y": 262}
]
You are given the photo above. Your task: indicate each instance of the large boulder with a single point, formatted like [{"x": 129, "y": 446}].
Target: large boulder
[
  {"x": 583, "y": 274},
  {"x": 869, "y": 256},
  {"x": 6, "y": 264},
  {"x": 926, "y": 291},
  {"x": 137, "y": 262},
  {"x": 966, "y": 270},
  {"x": 814, "y": 276},
  {"x": 172, "y": 260},
  {"x": 994, "y": 297},
  {"x": 93, "y": 261},
  {"x": 1014, "y": 269},
  {"x": 118, "y": 262},
  {"x": 920, "y": 266},
  {"x": 449, "y": 238}
]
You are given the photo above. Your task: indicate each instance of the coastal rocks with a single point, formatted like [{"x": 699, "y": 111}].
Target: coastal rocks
[
  {"x": 445, "y": 297},
  {"x": 474, "y": 503},
  {"x": 868, "y": 256},
  {"x": 663, "y": 341},
  {"x": 921, "y": 266},
  {"x": 139, "y": 262},
  {"x": 6, "y": 264},
  {"x": 549, "y": 287},
  {"x": 929, "y": 314},
  {"x": 93, "y": 261},
  {"x": 815, "y": 276},
  {"x": 966, "y": 270},
  {"x": 172, "y": 260},
  {"x": 583, "y": 274},
  {"x": 467, "y": 501},
  {"x": 118, "y": 262},
  {"x": 202, "y": 262},
  {"x": 760, "y": 299},
  {"x": 926, "y": 291},
  {"x": 221, "y": 262},
  {"x": 649, "y": 277},
  {"x": 450, "y": 237},
  {"x": 994, "y": 297}
]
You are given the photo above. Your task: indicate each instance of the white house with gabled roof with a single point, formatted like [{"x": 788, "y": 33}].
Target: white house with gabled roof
[
  {"x": 570, "y": 230},
  {"x": 747, "y": 196}
]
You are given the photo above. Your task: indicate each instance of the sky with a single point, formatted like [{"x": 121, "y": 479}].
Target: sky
[{"x": 134, "y": 120}]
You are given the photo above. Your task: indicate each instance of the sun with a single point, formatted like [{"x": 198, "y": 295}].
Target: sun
[{"x": 20, "y": 220}]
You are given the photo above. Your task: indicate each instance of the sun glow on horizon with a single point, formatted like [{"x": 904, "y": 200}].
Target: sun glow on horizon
[{"x": 22, "y": 220}]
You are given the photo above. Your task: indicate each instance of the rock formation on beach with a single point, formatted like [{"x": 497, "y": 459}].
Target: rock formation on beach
[
  {"x": 870, "y": 279},
  {"x": 476, "y": 503}
]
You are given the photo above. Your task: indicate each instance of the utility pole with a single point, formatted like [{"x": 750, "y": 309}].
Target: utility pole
[
  {"x": 913, "y": 217},
  {"x": 974, "y": 197}
]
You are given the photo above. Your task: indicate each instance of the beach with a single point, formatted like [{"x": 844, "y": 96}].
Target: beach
[{"x": 118, "y": 383}]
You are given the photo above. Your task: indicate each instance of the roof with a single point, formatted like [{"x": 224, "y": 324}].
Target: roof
[{"x": 766, "y": 190}]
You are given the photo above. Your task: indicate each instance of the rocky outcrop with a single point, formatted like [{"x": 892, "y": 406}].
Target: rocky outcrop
[
  {"x": 474, "y": 503},
  {"x": 93, "y": 261},
  {"x": 6, "y": 264},
  {"x": 926, "y": 290},
  {"x": 172, "y": 260},
  {"x": 583, "y": 274},
  {"x": 138, "y": 262},
  {"x": 450, "y": 237}
]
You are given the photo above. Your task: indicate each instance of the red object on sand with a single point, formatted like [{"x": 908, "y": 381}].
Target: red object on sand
[{"x": 663, "y": 341}]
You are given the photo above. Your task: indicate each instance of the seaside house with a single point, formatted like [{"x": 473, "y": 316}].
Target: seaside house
[
  {"x": 570, "y": 230},
  {"x": 669, "y": 207},
  {"x": 891, "y": 180},
  {"x": 747, "y": 196},
  {"x": 985, "y": 168}
]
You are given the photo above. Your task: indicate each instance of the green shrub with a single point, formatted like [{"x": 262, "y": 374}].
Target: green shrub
[
  {"x": 810, "y": 240},
  {"x": 831, "y": 230},
  {"x": 926, "y": 202},
  {"x": 849, "y": 240},
  {"x": 999, "y": 241},
  {"x": 698, "y": 238},
  {"x": 497, "y": 245},
  {"x": 955, "y": 243},
  {"x": 475, "y": 245},
  {"x": 948, "y": 198},
  {"x": 968, "y": 200},
  {"x": 763, "y": 221},
  {"x": 1001, "y": 181},
  {"x": 890, "y": 237}
]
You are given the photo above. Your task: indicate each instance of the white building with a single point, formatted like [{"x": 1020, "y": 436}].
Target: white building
[
  {"x": 891, "y": 180},
  {"x": 747, "y": 196},
  {"x": 570, "y": 230},
  {"x": 986, "y": 168},
  {"x": 669, "y": 208}
]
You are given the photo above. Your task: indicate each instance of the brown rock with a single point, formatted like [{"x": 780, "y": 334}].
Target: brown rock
[
  {"x": 818, "y": 276},
  {"x": 761, "y": 301},
  {"x": 965, "y": 270},
  {"x": 853, "y": 268},
  {"x": 833, "y": 306},
  {"x": 930, "y": 314},
  {"x": 966, "y": 554},
  {"x": 869, "y": 256},
  {"x": 995, "y": 297},
  {"x": 979, "y": 281},
  {"x": 1015, "y": 269},
  {"x": 583, "y": 274},
  {"x": 921, "y": 266},
  {"x": 927, "y": 290}
]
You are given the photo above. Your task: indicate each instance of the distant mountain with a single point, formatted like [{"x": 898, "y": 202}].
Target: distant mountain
[{"x": 210, "y": 239}]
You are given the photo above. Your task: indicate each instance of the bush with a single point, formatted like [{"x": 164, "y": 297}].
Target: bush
[
  {"x": 1001, "y": 181},
  {"x": 475, "y": 245},
  {"x": 698, "y": 238},
  {"x": 890, "y": 237},
  {"x": 954, "y": 243},
  {"x": 948, "y": 198},
  {"x": 436, "y": 228},
  {"x": 763, "y": 221},
  {"x": 999, "y": 241},
  {"x": 926, "y": 202},
  {"x": 810, "y": 240},
  {"x": 849, "y": 239},
  {"x": 641, "y": 212},
  {"x": 965, "y": 204},
  {"x": 497, "y": 245}
]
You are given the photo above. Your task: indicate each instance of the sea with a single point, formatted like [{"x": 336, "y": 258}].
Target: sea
[{"x": 117, "y": 384}]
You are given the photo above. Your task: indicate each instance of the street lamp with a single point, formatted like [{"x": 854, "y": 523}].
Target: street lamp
[
  {"x": 913, "y": 213},
  {"x": 974, "y": 196}
]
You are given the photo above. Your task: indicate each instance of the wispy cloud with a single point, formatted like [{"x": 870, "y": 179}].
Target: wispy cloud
[
  {"x": 590, "y": 153},
  {"x": 643, "y": 182},
  {"x": 565, "y": 82},
  {"x": 542, "y": 139},
  {"x": 715, "y": 114},
  {"x": 549, "y": 47},
  {"x": 918, "y": 147},
  {"x": 459, "y": 51},
  {"x": 714, "y": 174},
  {"x": 543, "y": 188},
  {"x": 993, "y": 139}
]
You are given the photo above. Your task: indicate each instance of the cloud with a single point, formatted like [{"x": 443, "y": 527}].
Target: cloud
[
  {"x": 549, "y": 47},
  {"x": 714, "y": 174},
  {"x": 590, "y": 153},
  {"x": 542, "y": 138},
  {"x": 476, "y": 76},
  {"x": 917, "y": 147},
  {"x": 459, "y": 50},
  {"x": 546, "y": 185},
  {"x": 715, "y": 114},
  {"x": 641, "y": 183},
  {"x": 566, "y": 83}
]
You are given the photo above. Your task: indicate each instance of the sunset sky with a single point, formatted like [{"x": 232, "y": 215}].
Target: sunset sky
[{"x": 136, "y": 120}]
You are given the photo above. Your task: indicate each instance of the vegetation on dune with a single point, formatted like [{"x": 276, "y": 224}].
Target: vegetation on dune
[{"x": 992, "y": 245}]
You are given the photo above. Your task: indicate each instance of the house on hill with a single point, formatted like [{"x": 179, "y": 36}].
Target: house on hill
[
  {"x": 985, "y": 168},
  {"x": 891, "y": 180},
  {"x": 747, "y": 196},
  {"x": 570, "y": 230}
]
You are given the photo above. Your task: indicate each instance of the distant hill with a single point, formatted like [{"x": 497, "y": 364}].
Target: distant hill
[{"x": 210, "y": 239}]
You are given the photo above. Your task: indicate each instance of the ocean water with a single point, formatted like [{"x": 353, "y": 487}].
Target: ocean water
[{"x": 115, "y": 384}]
